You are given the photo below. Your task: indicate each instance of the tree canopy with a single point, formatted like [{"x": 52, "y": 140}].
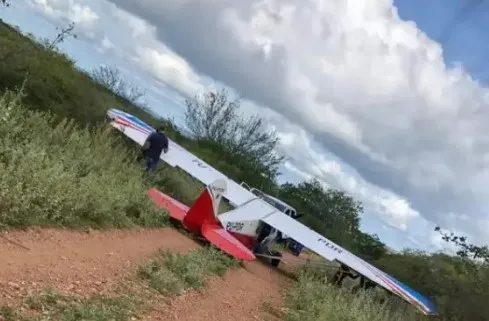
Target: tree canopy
[{"x": 216, "y": 122}]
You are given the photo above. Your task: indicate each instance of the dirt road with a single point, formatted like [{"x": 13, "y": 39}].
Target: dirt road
[{"x": 86, "y": 263}]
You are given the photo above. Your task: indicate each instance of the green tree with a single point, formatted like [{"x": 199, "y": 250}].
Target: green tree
[
  {"x": 216, "y": 123},
  {"x": 369, "y": 247},
  {"x": 330, "y": 212},
  {"x": 334, "y": 214},
  {"x": 457, "y": 286}
]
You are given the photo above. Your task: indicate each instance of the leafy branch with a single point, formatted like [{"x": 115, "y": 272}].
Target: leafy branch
[{"x": 465, "y": 250}]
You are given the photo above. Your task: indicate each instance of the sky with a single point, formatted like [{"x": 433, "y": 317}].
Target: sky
[{"x": 385, "y": 100}]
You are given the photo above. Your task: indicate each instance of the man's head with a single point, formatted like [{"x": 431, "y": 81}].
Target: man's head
[{"x": 160, "y": 129}]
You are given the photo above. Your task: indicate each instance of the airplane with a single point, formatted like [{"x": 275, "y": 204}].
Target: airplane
[
  {"x": 292, "y": 245},
  {"x": 242, "y": 232}
]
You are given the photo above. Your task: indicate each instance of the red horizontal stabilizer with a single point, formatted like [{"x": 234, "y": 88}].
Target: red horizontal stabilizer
[
  {"x": 176, "y": 209},
  {"x": 227, "y": 243}
]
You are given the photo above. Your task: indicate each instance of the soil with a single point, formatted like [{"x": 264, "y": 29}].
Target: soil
[
  {"x": 242, "y": 295},
  {"x": 85, "y": 263}
]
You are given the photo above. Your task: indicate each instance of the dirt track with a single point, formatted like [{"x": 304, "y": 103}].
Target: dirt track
[
  {"x": 242, "y": 295},
  {"x": 95, "y": 262}
]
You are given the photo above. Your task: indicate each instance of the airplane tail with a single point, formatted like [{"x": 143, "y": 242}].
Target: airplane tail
[
  {"x": 205, "y": 208},
  {"x": 201, "y": 218}
]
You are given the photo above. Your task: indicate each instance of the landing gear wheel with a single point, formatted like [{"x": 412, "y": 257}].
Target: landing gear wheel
[{"x": 275, "y": 262}]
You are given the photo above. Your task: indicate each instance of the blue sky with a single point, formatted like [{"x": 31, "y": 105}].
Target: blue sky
[
  {"x": 459, "y": 25},
  {"x": 362, "y": 155}
]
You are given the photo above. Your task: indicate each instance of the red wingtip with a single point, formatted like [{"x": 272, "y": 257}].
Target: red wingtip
[
  {"x": 176, "y": 209},
  {"x": 227, "y": 243},
  {"x": 201, "y": 212}
]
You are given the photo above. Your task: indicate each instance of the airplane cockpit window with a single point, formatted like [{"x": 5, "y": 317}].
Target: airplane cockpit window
[
  {"x": 257, "y": 193},
  {"x": 272, "y": 202},
  {"x": 279, "y": 206}
]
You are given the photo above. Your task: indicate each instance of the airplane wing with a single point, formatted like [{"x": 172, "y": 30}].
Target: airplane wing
[
  {"x": 257, "y": 210},
  {"x": 332, "y": 251},
  {"x": 177, "y": 156}
]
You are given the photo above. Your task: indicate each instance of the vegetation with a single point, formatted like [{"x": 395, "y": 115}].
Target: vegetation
[
  {"x": 459, "y": 286},
  {"x": 110, "y": 79},
  {"x": 216, "y": 123},
  {"x": 170, "y": 273},
  {"x": 65, "y": 175},
  {"x": 60, "y": 166},
  {"x": 331, "y": 304},
  {"x": 52, "y": 305}
]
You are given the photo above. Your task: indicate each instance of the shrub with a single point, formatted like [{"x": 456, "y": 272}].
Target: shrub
[
  {"x": 52, "y": 305},
  {"x": 171, "y": 273},
  {"x": 312, "y": 300},
  {"x": 62, "y": 174}
]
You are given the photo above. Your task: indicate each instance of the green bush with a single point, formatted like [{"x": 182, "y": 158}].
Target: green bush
[
  {"x": 64, "y": 175},
  {"x": 51, "y": 305},
  {"x": 312, "y": 300},
  {"x": 171, "y": 273}
]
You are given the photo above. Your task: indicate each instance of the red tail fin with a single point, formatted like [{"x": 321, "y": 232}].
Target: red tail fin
[
  {"x": 202, "y": 219},
  {"x": 205, "y": 207}
]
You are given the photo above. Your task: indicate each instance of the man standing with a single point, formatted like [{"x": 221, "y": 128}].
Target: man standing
[
  {"x": 343, "y": 272},
  {"x": 157, "y": 142},
  {"x": 364, "y": 284}
]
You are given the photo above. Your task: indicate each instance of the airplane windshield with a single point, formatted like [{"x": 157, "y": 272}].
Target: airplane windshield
[
  {"x": 271, "y": 201},
  {"x": 275, "y": 204}
]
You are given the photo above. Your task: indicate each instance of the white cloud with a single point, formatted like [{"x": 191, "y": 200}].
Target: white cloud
[
  {"x": 69, "y": 10},
  {"x": 308, "y": 161},
  {"x": 134, "y": 40},
  {"x": 105, "y": 45},
  {"x": 139, "y": 28},
  {"x": 169, "y": 68}
]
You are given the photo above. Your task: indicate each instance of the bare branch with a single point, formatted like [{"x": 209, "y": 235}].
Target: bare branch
[
  {"x": 61, "y": 36},
  {"x": 112, "y": 79}
]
